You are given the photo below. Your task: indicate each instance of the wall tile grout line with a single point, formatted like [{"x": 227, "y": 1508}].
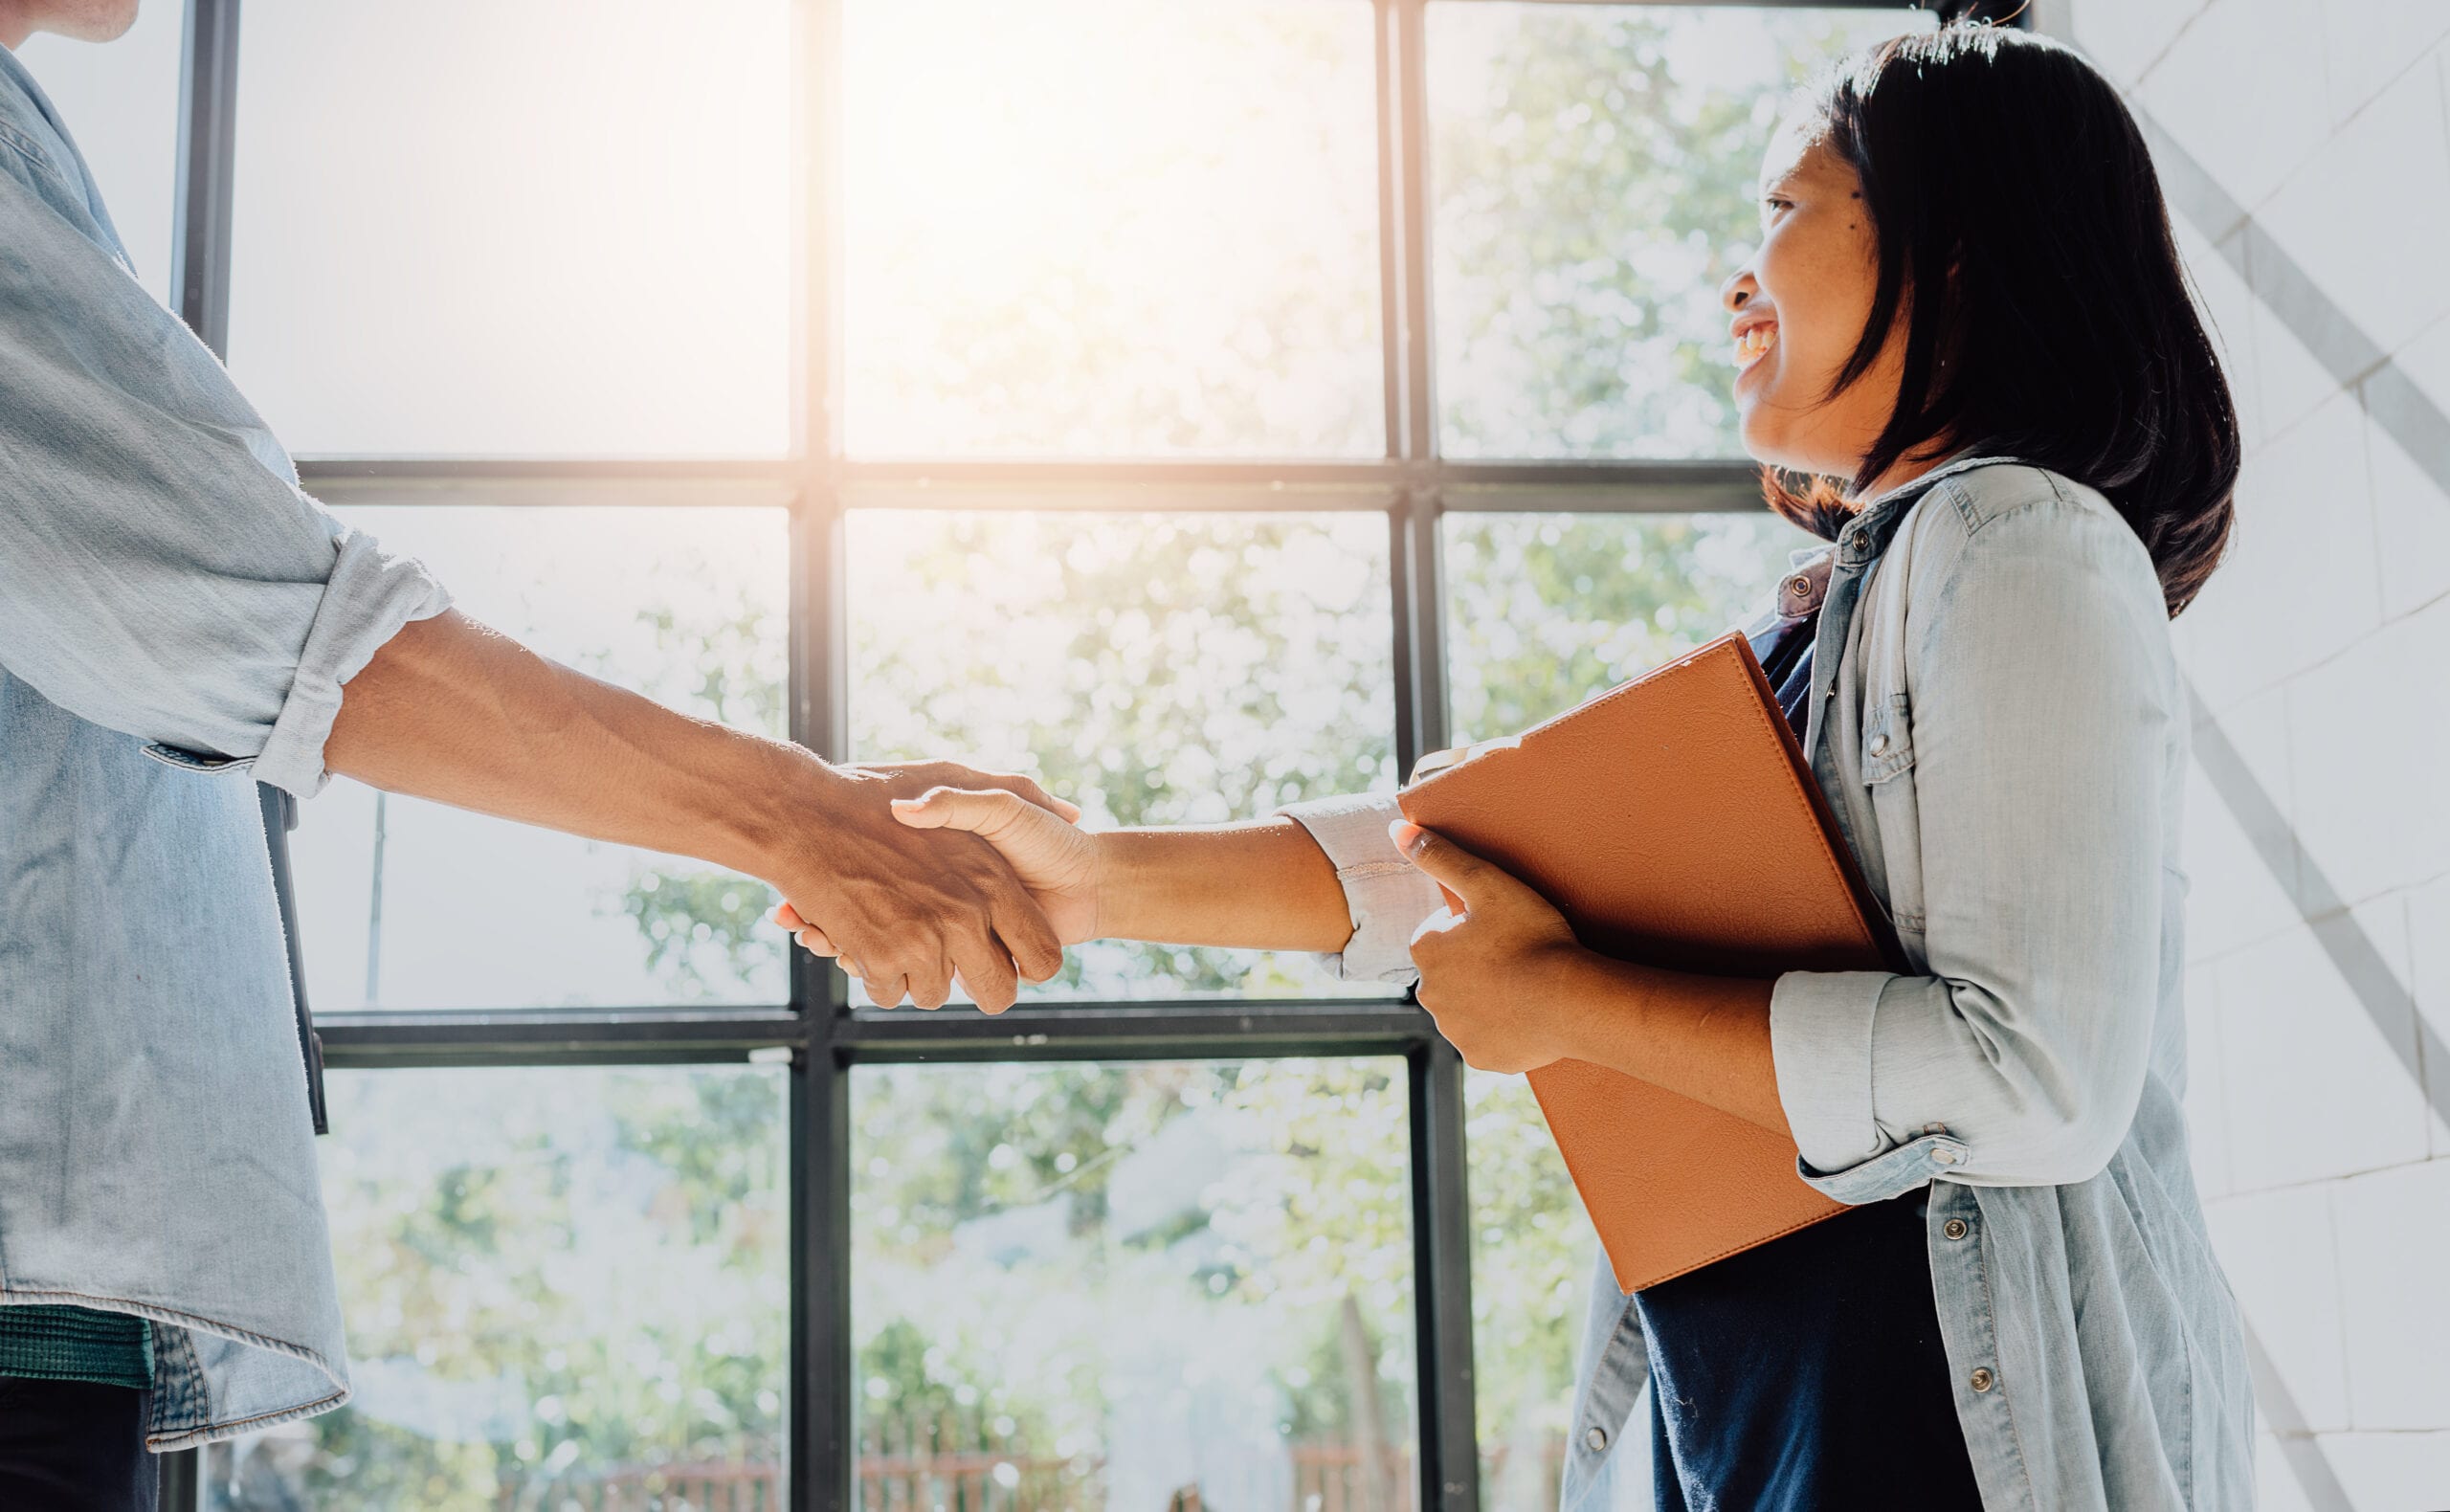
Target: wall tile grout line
[
  {"x": 2298, "y": 1443},
  {"x": 2377, "y": 989},
  {"x": 2410, "y": 417},
  {"x": 2361, "y": 964},
  {"x": 2402, "y": 408}
]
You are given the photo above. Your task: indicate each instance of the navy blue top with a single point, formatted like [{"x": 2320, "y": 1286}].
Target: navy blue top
[
  {"x": 1806, "y": 1374},
  {"x": 1785, "y": 653}
]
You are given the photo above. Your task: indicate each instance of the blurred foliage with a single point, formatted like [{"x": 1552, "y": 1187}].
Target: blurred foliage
[
  {"x": 1055, "y": 1250},
  {"x": 547, "y": 1272},
  {"x": 1546, "y": 610},
  {"x": 1595, "y": 172},
  {"x": 1152, "y": 669}
]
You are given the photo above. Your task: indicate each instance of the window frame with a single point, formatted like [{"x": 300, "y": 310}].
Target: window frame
[{"x": 818, "y": 1029}]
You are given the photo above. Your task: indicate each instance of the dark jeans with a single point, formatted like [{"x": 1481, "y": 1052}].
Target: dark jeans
[
  {"x": 69, "y": 1447},
  {"x": 1808, "y": 1375}
]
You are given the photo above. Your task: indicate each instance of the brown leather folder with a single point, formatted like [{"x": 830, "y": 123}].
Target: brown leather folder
[{"x": 1673, "y": 821}]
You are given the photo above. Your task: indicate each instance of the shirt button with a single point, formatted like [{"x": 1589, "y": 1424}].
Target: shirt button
[
  {"x": 1981, "y": 1381},
  {"x": 1944, "y": 1156},
  {"x": 1954, "y": 1228},
  {"x": 1880, "y": 742},
  {"x": 1596, "y": 1439}
]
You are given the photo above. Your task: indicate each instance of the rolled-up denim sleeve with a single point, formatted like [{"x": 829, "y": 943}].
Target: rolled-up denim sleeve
[
  {"x": 161, "y": 572},
  {"x": 1385, "y": 896},
  {"x": 2043, "y": 698}
]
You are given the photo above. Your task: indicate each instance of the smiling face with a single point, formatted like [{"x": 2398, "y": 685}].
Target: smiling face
[{"x": 1799, "y": 308}]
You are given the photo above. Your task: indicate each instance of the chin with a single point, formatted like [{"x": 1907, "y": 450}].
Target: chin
[
  {"x": 1764, "y": 438},
  {"x": 92, "y": 20},
  {"x": 1782, "y": 437}
]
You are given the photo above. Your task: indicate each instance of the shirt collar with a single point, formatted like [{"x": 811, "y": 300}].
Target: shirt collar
[{"x": 1868, "y": 534}]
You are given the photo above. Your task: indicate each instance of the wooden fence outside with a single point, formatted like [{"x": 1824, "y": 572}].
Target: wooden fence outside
[{"x": 909, "y": 1471}]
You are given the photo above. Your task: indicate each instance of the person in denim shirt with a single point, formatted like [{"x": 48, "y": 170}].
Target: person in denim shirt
[
  {"x": 1967, "y": 326},
  {"x": 179, "y": 622}
]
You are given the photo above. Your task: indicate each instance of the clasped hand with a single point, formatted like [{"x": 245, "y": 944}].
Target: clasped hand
[
  {"x": 1493, "y": 975},
  {"x": 924, "y": 914},
  {"x": 1497, "y": 974}
]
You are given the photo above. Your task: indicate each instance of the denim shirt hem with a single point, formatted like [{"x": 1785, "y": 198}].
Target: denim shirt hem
[{"x": 181, "y": 1415}]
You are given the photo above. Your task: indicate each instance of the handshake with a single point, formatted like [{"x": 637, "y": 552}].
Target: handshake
[
  {"x": 933, "y": 878},
  {"x": 941, "y": 876}
]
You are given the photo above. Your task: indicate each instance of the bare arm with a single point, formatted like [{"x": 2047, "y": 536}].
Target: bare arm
[
  {"x": 1264, "y": 885},
  {"x": 1510, "y": 986},
  {"x": 453, "y": 711},
  {"x": 1704, "y": 1037}
]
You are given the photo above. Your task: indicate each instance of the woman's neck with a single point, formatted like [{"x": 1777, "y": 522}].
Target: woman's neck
[{"x": 1904, "y": 471}]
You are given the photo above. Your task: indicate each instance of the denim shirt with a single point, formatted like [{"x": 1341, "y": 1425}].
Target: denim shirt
[
  {"x": 1999, "y": 726},
  {"x": 176, "y": 618}
]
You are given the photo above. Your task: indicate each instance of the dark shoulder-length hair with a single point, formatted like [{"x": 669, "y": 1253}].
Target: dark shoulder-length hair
[{"x": 2023, "y": 235}]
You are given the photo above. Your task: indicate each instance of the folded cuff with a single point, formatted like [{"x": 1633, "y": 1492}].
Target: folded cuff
[
  {"x": 1820, "y": 1041},
  {"x": 1385, "y": 898},
  {"x": 371, "y": 594},
  {"x": 1822, "y": 1025}
]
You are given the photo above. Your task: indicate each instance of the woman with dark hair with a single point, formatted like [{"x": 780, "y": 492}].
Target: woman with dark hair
[{"x": 1967, "y": 330}]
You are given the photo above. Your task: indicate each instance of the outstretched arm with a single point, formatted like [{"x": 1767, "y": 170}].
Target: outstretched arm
[
  {"x": 453, "y": 711},
  {"x": 1263, "y": 885},
  {"x": 1509, "y": 985}
]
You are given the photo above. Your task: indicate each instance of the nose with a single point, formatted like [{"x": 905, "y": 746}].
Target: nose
[{"x": 1739, "y": 291}]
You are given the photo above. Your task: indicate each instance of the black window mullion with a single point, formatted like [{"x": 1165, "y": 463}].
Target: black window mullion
[
  {"x": 208, "y": 134},
  {"x": 1449, "y": 1450},
  {"x": 823, "y": 1454},
  {"x": 1442, "y": 1281},
  {"x": 820, "y": 1475},
  {"x": 1392, "y": 239}
]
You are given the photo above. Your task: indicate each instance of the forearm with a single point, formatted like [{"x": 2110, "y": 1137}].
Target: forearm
[
  {"x": 1264, "y": 885},
  {"x": 1704, "y": 1037},
  {"x": 451, "y": 711}
]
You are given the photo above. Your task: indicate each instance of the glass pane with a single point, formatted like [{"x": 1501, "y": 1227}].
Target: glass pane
[
  {"x": 1532, "y": 1253},
  {"x": 563, "y": 1288},
  {"x": 121, "y": 102},
  {"x": 1594, "y": 169},
  {"x": 1083, "y": 1287},
  {"x": 557, "y": 227},
  {"x": 1111, "y": 227},
  {"x": 1154, "y": 668},
  {"x": 407, "y": 905},
  {"x": 1544, "y": 610}
]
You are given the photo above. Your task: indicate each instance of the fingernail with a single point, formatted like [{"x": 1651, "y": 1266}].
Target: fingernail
[
  {"x": 1403, "y": 832},
  {"x": 909, "y": 803}
]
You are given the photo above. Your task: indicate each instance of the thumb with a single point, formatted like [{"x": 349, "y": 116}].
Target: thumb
[
  {"x": 1029, "y": 792},
  {"x": 1462, "y": 873},
  {"x": 982, "y": 813}
]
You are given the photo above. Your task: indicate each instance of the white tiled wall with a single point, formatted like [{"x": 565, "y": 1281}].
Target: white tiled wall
[{"x": 2320, "y": 991}]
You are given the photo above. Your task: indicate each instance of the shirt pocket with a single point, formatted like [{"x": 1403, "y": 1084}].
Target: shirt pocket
[
  {"x": 196, "y": 760},
  {"x": 1888, "y": 759}
]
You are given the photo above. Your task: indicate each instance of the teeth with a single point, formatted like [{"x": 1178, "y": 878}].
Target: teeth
[{"x": 1753, "y": 342}]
